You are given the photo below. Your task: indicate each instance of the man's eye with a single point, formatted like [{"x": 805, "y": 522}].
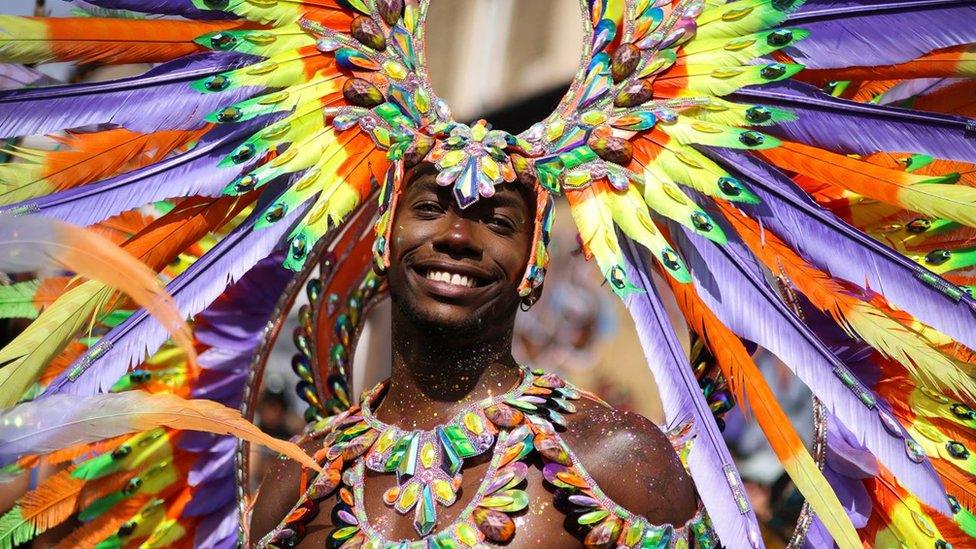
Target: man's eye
[
  {"x": 501, "y": 223},
  {"x": 428, "y": 207}
]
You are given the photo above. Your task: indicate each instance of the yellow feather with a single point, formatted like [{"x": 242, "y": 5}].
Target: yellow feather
[{"x": 26, "y": 356}]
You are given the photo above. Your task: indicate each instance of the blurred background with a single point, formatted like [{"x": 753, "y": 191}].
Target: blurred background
[{"x": 509, "y": 61}]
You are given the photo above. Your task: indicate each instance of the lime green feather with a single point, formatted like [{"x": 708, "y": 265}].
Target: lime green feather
[
  {"x": 689, "y": 131},
  {"x": 740, "y": 18},
  {"x": 262, "y": 43},
  {"x": 17, "y": 300}
]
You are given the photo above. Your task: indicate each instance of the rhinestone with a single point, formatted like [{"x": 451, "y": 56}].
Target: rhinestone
[
  {"x": 217, "y": 83},
  {"x": 957, "y": 450},
  {"x": 368, "y": 33},
  {"x": 779, "y": 38},
  {"x": 751, "y": 138},
  {"x": 938, "y": 257}
]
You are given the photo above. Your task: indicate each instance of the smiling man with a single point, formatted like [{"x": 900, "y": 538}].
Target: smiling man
[{"x": 463, "y": 445}]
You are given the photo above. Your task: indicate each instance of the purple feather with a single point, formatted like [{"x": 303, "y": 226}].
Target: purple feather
[
  {"x": 709, "y": 460},
  {"x": 847, "y": 127},
  {"x": 193, "y": 290},
  {"x": 237, "y": 320},
  {"x": 159, "y": 99},
  {"x": 847, "y": 253},
  {"x": 181, "y": 8},
  {"x": 733, "y": 286},
  {"x": 197, "y": 441},
  {"x": 223, "y": 385},
  {"x": 218, "y": 530},
  {"x": 194, "y": 172},
  {"x": 219, "y": 493},
  {"x": 212, "y": 465},
  {"x": 873, "y": 33}
]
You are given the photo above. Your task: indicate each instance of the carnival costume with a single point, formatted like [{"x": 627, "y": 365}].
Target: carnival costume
[{"x": 760, "y": 155}]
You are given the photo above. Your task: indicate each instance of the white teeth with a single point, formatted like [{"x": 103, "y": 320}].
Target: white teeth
[{"x": 453, "y": 279}]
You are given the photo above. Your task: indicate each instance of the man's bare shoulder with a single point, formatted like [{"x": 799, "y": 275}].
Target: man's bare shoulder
[{"x": 632, "y": 461}]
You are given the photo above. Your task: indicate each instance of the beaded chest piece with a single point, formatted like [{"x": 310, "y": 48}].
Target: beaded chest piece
[{"x": 428, "y": 464}]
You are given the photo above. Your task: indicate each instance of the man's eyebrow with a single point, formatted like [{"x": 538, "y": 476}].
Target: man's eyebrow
[
  {"x": 510, "y": 200},
  {"x": 426, "y": 184}
]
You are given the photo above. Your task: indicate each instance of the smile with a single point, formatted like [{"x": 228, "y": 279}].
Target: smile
[{"x": 452, "y": 279}]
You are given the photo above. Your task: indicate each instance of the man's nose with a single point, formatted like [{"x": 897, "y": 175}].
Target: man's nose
[{"x": 458, "y": 238}]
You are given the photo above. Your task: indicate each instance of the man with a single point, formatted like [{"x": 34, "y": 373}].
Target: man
[{"x": 453, "y": 278}]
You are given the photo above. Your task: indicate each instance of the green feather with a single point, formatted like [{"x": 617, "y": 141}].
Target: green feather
[
  {"x": 17, "y": 300},
  {"x": 14, "y": 530}
]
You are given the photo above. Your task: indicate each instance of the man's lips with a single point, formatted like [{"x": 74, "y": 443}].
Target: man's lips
[{"x": 449, "y": 280}]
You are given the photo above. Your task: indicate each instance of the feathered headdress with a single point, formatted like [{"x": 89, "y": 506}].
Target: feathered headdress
[{"x": 757, "y": 154}]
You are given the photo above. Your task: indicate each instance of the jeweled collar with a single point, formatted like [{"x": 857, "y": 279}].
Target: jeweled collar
[{"x": 428, "y": 463}]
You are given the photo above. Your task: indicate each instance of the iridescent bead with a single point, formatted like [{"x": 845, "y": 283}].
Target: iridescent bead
[
  {"x": 495, "y": 525},
  {"x": 758, "y": 114},
  {"x": 634, "y": 95},
  {"x": 779, "y": 38},
  {"x": 603, "y": 534},
  {"x": 390, "y": 10},
  {"x": 613, "y": 149},
  {"x": 217, "y": 83},
  {"x": 751, "y": 138},
  {"x": 957, "y": 450},
  {"x": 624, "y": 62},
  {"x": 362, "y": 93},
  {"x": 368, "y": 33}
]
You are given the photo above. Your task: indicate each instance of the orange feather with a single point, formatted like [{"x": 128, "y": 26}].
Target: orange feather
[
  {"x": 913, "y": 192},
  {"x": 69, "y": 454},
  {"x": 957, "y": 99},
  {"x": 165, "y": 238},
  {"x": 121, "y": 41},
  {"x": 93, "y": 532},
  {"x": 88, "y": 157},
  {"x": 749, "y": 385},
  {"x": 53, "y": 501}
]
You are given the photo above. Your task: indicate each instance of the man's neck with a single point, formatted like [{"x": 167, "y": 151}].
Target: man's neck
[{"x": 435, "y": 375}]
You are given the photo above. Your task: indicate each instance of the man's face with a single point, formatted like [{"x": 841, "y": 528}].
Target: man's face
[{"x": 459, "y": 270}]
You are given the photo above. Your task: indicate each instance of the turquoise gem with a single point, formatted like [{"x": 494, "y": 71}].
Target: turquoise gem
[
  {"x": 426, "y": 514},
  {"x": 656, "y": 537}
]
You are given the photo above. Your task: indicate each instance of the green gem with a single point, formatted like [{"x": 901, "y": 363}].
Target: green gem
[
  {"x": 398, "y": 453},
  {"x": 548, "y": 173},
  {"x": 459, "y": 441},
  {"x": 408, "y": 465},
  {"x": 450, "y": 455},
  {"x": 579, "y": 155},
  {"x": 593, "y": 517}
]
